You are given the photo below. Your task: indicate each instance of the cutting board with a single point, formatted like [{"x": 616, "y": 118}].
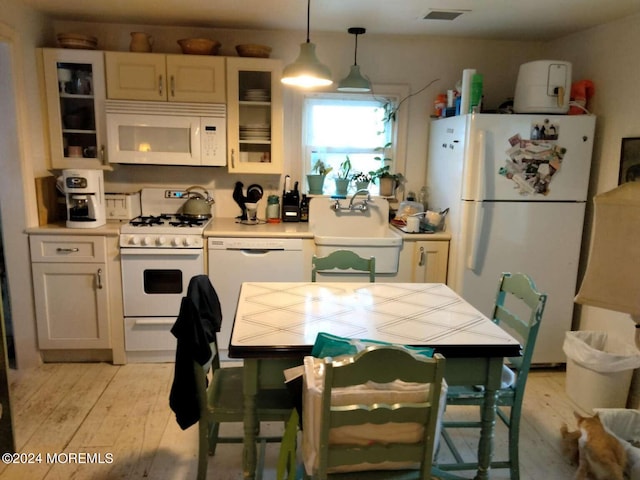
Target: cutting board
[{"x": 50, "y": 203}]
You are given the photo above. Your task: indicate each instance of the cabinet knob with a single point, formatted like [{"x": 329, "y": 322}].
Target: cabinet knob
[
  {"x": 421, "y": 258},
  {"x": 99, "y": 279}
]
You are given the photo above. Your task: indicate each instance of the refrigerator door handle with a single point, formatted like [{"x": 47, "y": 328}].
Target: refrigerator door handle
[
  {"x": 478, "y": 207},
  {"x": 474, "y": 238},
  {"x": 481, "y": 165}
]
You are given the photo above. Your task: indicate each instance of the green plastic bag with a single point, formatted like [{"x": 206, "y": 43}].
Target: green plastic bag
[{"x": 328, "y": 345}]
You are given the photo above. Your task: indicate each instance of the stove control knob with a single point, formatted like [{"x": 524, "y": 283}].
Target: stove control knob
[
  {"x": 175, "y": 242},
  {"x": 161, "y": 241},
  {"x": 133, "y": 240},
  {"x": 187, "y": 241},
  {"x": 146, "y": 241}
]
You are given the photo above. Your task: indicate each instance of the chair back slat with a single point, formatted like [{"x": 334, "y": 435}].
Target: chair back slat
[
  {"x": 343, "y": 260},
  {"x": 382, "y": 365},
  {"x": 524, "y": 325}
]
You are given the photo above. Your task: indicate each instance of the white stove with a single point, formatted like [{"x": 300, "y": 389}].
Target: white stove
[
  {"x": 161, "y": 225},
  {"x": 160, "y": 251}
]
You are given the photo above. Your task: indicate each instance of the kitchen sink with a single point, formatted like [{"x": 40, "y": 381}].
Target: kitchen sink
[{"x": 346, "y": 225}]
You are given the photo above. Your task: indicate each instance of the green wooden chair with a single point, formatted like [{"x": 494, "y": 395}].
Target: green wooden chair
[
  {"x": 343, "y": 260},
  {"x": 222, "y": 401},
  {"x": 380, "y": 365},
  {"x": 516, "y": 292}
]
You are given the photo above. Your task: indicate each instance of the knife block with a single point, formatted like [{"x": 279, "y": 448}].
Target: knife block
[{"x": 290, "y": 206}]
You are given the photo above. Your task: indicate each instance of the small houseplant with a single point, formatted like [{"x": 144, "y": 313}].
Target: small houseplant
[
  {"x": 316, "y": 180},
  {"x": 342, "y": 177},
  {"x": 361, "y": 180},
  {"x": 388, "y": 181}
]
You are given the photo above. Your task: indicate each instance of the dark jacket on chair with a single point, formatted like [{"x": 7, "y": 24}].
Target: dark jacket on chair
[{"x": 199, "y": 319}]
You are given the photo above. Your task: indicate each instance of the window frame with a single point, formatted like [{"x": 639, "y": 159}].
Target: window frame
[{"x": 392, "y": 94}]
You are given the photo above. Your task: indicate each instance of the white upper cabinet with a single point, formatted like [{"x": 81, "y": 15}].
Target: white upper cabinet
[
  {"x": 254, "y": 115},
  {"x": 75, "y": 93},
  {"x": 165, "y": 77}
]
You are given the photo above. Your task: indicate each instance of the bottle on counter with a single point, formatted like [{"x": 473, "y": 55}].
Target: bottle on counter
[
  {"x": 304, "y": 209},
  {"x": 423, "y": 197},
  {"x": 273, "y": 209}
]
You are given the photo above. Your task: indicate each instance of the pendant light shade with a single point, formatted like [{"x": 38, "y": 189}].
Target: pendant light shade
[
  {"x": 307, "y": 71},
  {"x": 355, "y": 81}
]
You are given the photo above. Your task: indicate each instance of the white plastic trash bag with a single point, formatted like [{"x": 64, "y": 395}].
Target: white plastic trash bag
[
  {"x": 599, "y": 352},
  {"x": 625, "y": 424}
]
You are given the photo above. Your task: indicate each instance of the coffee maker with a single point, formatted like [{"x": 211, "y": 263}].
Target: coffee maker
[{"x": 84, "y": 193}]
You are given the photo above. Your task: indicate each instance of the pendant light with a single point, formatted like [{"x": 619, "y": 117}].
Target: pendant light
[
  {"x": 355, "y": 81},
  {"x": 307, "y": 71}
]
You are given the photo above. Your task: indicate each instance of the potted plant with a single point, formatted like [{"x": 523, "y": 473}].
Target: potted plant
[
  {"x": 387, "y": 181},
  {"x": 361, "y": 180},
  {"x": 316, "y": 180},
  {"x": 342, "y": 177}
]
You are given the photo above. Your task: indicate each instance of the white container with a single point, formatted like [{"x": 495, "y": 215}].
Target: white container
[
  {"x": 590, "y": 389},
  {"x": 599, "y": 369},
  {"x": 543, "y": 86}
]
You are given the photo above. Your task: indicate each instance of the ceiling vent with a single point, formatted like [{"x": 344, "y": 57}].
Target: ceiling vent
[{"x": 442, "y": 15}]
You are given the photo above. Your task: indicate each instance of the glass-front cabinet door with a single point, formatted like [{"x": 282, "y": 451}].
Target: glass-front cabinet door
[
  {"x": 254, "y": 115},
  {"x": 75, "y": 94}
]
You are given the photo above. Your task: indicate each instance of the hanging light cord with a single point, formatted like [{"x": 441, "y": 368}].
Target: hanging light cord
[
  {"x": 308, "y": 17},
  {"x": 355, "y": 52}
]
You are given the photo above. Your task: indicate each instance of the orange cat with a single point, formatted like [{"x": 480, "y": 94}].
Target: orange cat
[{"x": 599, "y": 454}]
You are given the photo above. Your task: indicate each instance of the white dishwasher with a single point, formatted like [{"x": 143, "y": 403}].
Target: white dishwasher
[{"x": 236, "y": 260}]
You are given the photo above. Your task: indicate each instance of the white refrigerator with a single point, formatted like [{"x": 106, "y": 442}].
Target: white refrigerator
[{"x": 516, "y": 189}]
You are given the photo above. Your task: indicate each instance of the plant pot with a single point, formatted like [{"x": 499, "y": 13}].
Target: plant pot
[
  {"x": 316, "y": 184},
  {"x": 362, "y": 185},
  {"x": 342, "y": 184},
  {"x": 387, "y": 186}
]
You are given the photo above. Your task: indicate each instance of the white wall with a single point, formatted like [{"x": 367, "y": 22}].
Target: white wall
[
  {"x": 20, "y": 29},
  {"x": 607, "y": 55}
]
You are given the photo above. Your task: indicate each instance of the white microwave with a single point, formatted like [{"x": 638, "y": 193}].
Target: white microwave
[{"x": 166, "y": 133}]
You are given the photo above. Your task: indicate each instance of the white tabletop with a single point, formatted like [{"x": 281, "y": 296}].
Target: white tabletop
[{"x": 280, "y": 317}]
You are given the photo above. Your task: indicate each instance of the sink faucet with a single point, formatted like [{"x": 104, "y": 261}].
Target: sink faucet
[{"x": 361, "y": 205}]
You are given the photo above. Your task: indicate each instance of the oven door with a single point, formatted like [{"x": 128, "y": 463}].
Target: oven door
[{"x": 155, "y": 280}]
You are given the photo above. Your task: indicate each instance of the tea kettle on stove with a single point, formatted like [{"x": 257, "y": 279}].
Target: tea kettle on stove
[{"x": 197, "y": 206}]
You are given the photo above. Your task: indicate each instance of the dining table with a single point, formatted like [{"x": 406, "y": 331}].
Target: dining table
[{"x": 276, "y": 325}]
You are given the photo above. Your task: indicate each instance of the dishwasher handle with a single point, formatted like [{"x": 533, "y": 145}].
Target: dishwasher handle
[{"x": 257, "y": 251}]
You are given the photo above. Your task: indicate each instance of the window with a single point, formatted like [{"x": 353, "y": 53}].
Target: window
[{"x": 340, "y": 126}]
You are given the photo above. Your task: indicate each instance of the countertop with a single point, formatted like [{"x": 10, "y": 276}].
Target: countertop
[
  {"x": 110, "y": 229},
  {"x": 227, "y": 227}
]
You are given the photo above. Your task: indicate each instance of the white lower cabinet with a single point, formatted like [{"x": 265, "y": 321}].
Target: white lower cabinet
[
  {"x": 71, "y": 291},
  {"x": 430, "y": 259}
]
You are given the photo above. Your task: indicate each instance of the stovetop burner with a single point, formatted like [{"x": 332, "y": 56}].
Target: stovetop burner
[{"x": 167, "y": 219}]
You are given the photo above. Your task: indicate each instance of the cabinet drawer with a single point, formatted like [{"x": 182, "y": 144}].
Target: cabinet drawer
[
  {"x": 72, "y": 248},
  {"x": 149, "y": 334}
]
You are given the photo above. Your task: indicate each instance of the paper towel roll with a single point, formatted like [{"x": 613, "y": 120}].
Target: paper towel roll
[{"x": 465, "y": 100}]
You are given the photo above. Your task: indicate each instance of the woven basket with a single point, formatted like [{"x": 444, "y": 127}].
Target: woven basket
[{"x": 252, "y": 50}]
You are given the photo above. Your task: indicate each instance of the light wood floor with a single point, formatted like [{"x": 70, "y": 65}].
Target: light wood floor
[{"x": 122, "y": 412}]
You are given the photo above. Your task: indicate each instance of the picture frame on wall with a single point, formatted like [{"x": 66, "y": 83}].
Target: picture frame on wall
[{"x": 629, "y": 160}]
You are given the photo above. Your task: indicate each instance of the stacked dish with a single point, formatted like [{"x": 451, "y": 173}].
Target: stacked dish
[
  {"x": 255, "y": 132},
  {"x": 77, "y": 40},
  {"x": 256, "y": 95}
]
